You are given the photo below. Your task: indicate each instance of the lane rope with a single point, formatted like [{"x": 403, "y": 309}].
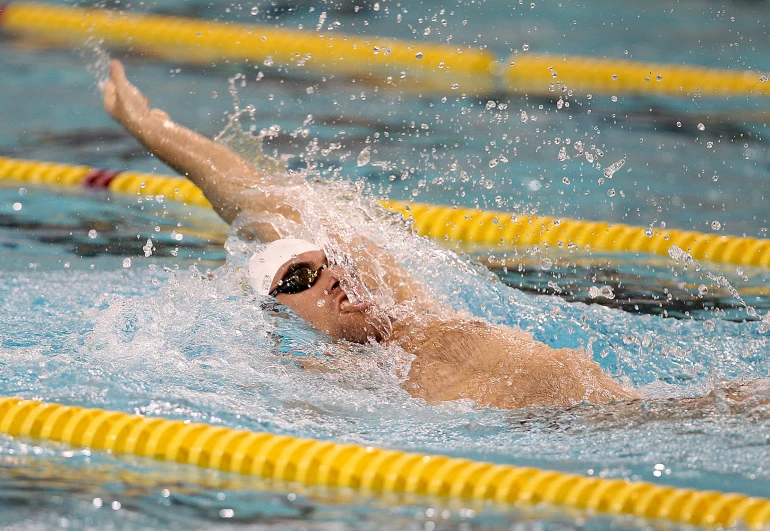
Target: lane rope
[
  {"x": 538, "y": 73},
  {"x": 442, "y": 223},
  {"x": 440, "y": 66},
  {"x": 374, "y": 471},
  {"x": 503, "y": 229},
  {"x": 421, "y": 66}
]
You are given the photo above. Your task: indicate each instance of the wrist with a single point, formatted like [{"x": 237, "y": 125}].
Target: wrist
[{"x": 142, "y": 127}]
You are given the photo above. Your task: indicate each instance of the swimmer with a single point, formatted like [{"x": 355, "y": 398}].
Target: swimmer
[{"x": 455, "y": 356}]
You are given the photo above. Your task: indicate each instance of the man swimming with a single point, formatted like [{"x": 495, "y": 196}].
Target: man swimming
[{"x": 354, "y": 290}]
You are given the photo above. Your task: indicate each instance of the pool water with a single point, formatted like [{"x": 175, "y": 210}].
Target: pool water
[{"x": 86, "y": 318}]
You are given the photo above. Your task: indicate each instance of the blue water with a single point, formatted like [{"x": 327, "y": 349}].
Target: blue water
[{"x": 80, "y": 325}]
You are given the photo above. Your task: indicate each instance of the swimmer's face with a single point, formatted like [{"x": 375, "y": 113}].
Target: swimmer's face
[{"x": 325, "y": 305}]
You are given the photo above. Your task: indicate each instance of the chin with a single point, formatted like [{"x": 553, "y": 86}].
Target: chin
[{"x": 362, "y": 332}]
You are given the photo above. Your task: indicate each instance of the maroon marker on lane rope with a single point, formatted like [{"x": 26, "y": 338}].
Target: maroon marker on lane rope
[{"x": 99, "y": 178}]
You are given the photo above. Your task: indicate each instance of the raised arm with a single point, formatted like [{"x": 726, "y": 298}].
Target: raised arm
[
  {"x": 227, "y": 181},
  {"x": 234, "y": 187}
]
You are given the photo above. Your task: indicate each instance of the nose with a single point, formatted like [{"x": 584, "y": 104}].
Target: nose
[
  {"x": 336, "y": 271},
  {"x": 333, "y": 275}
]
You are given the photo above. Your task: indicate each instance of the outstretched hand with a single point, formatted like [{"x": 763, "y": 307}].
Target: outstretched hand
[{"x": 125, "y": 102}]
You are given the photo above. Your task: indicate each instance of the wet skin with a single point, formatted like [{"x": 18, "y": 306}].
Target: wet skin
[{"x": 325, "y": 304}]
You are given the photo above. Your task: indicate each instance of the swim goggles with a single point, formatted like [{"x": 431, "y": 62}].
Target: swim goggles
[{"x": 297, "y": 280}]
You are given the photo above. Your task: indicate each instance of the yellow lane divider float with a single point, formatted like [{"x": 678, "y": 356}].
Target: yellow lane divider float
[
  {"x": 426, "y": 66},
  {"x": 531, "y": 73},
  {"x": 184, "y": 39},
  {"x": 492, "y": 229},
  {"x": 487, "y": 229},
  {"x": 367, "y": 469}
]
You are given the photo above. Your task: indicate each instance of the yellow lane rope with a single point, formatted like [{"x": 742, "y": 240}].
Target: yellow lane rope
[
  {"x": 370, "y": 470},
  {"x": 533, "y": 73},
  {"x": 426, "y": 66},
  {"x": 440, "y": 65},
  {"x": 494, "y": 229},
  {"x": 489, "y": 229}
]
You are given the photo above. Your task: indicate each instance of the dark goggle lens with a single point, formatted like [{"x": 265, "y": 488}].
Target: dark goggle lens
[{"x": 297, "y": 281}]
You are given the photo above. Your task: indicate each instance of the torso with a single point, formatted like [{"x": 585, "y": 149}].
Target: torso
[{"x": 497, "y": 366}]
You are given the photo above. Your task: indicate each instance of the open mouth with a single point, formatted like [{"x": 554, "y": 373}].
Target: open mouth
[{"x": 348, "y": 307}]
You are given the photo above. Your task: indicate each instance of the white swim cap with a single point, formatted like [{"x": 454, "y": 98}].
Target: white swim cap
[{"x": 265, "y": 264}]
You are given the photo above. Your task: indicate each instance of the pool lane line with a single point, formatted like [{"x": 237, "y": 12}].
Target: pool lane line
[
  {"x": 125, "y": 182},
  {"x": 427, "y": 67},
  {"x": 384, "y": 60},
  {"x": 373, "y": 471},
  {"x": 527, "y": 72},
  {"x": 497, "y": 230},
  {"x": 505, "y": 229}
]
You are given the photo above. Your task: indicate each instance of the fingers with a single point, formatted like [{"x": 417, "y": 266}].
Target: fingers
[
  {"x": 117, "y": 72},
  {"x": 108, "y": 94}
]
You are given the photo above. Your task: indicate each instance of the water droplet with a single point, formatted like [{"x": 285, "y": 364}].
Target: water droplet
[
  {"x": 17, "y": 206},
  {"x": 709, "y": 145},
  {"x": 455, "y": 86},
  {"x": 763, "y": 78},
  {"x": 614, "y": 99},
  {"x": 610, "y": 170},
  {"x": 92, "y": 234},
  {"x": 702, "y": 290},
  {"x": 364, "y": 157},
  {"x": 611, "y": 192},
  {"x": 565, "y": 180},
  {"x": 126, "y": 263},
  {"x": 524, "y": 116},
  {"x": 525, "y": 47},
  {"x": 214, "y": 94},
  {"x": 614, "y": 77},
  {"x": 679, "y": 124},
  {"x": 268, "y": 61},
  {"x": 659, "y": 77},
  {"x": 648, "y": 232},
  {"x": 418, "y": 55},
  {"x": 701, "y": 127},
  {"x": 321, "y": 303},
  {"x": 709, "y": 325},
  {"x": 605, "y": 292},
  {"x": 493, "y": 163},
  {"x": 546, "y": 264},
  {"x": 535, "y": 185},
  {"x": 488, "y": 184},
  {"x": 254, "y": 11},
  {"x": 716, "y": 225},
  {"x": 491, "y": 104}
]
